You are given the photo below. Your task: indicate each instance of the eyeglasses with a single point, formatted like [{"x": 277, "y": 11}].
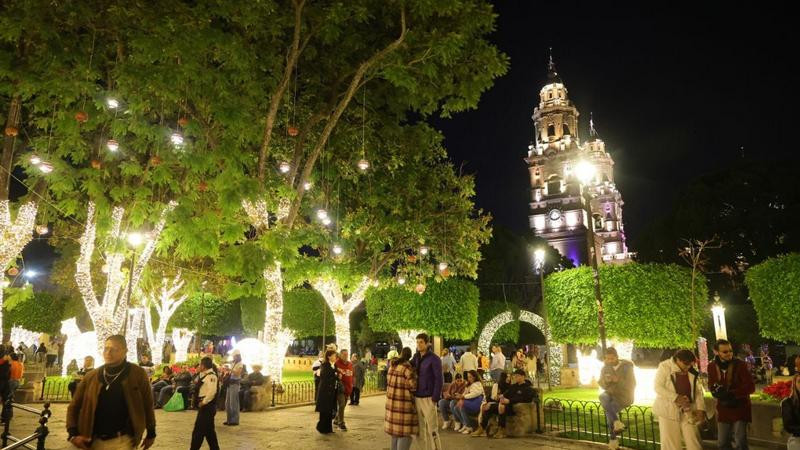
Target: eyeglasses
[{"x": 726, "y": 351}]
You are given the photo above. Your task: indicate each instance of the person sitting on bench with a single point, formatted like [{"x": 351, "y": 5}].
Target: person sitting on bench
[{"x": 519, "y": 391}]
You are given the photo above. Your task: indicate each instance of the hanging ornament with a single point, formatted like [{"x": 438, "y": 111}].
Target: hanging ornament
[
  {"x": 96, "y": 164},
  {"x": 322, "y": 214},
  {"x": 81, "y": 116},
  {"x": 42, "y": 229},
  {"x": 112, "y": 103},
  {"x": 35, "y": 160},
  {"x": 423, "y": 250},
  {"x": 412, "y": 259},
  {"x": 45, "y": 167},
  {"x": 176, "y": 139},
  {"x": 442, "y": 266},
  {"x": 401, "y": 280},
  {"x": 11, "y": 131},
  {"x": 363, "y": 164},
  {"x": 112, "y": 145},
  {"x": 284, "y": 167},
  {"x": 308, "y": 185},
  {"x": 326, "y": 221},
  {"x": 337, "y": 249},
  {"x": 419, "y": 288},
  {"x": 446, "y": 272},
  {"x": 293, "y": 131},
  {"x": 202, "y": 186},
  {"x": 155, "y": 160},
  {"x": 13, "y": 271},
  {"x": 183, "y": 121}
]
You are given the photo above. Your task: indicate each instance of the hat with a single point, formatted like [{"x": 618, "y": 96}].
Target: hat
[
  {"x": 236, "y": 352},
  {"x": 519, "y": 372}
]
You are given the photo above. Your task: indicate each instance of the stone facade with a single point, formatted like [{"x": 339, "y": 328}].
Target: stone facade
[{"x": 556, "y": 206}]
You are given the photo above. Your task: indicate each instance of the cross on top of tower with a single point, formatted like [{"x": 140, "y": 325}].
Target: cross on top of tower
[{"x": 552, "y": 73}]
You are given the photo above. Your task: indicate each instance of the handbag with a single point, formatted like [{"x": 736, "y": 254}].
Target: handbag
[{"x": 175, "y": 403}]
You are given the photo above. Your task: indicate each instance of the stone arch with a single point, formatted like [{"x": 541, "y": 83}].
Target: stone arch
[{"x": 554, "y": 349}]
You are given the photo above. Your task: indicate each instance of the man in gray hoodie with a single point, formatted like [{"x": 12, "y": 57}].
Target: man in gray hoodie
[{"x": 618, "y": 382}]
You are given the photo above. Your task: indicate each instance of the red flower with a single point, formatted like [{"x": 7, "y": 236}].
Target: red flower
[{"x": 779, "y": 390}]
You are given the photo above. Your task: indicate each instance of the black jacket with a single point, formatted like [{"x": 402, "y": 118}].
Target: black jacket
[
  {"x": 791, "y": 416},
  {"x": 520, "y": 393},
  {"x": 326, "y": 395}
]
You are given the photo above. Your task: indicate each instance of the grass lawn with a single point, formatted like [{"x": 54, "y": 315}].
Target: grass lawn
[
  {"x": 588, "y": 394},
  {"x": 297, "y": 375}
]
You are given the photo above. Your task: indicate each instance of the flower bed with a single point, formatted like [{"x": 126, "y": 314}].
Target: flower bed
[{"x": 777, "y": 391}]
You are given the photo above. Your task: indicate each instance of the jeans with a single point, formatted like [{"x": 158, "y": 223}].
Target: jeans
[
  {"x": 612, "y": 410},
  {"x": 157, "y": 387},
  {"x": 446, "y": 408},
  {"x": 341, "y": 403},
  {"x": 496, "y": 375},
  {"x": 355, "y": 396},
  {"x": 463, "y": 417},
  {"x": 727, "y": 432},
  {"x": 232, "y": 403},
  {"x": 12, "y": 387},
  {"x": 401, "y": 443}
]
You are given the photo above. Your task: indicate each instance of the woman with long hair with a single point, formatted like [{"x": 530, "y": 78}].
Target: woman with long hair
[
  {"x": 790, "y": 411},
  {"x": 400, "y": 420},
  {"x": 326, "y": 395},
  {"x": 467, "y": 409}
]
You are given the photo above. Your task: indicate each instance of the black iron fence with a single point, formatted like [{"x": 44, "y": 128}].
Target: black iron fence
[
  {"x": 39, "y": 435},
  {"x": 579, "y": 419},
  {"x": 55, "y": 389},
  {"x": 296, "y": 392}
]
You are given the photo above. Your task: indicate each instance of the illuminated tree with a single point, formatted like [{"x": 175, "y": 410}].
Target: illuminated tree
[{"x": 165, "y": 302}]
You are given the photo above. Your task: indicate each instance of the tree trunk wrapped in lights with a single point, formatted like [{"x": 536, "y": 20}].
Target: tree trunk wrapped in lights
[
  {"x": 181, "y": 337},
  {"x": 165, "y": 303},
  {"x": 276, "y": 337},
  {"x": 15, "y": 236},
  {"x": 332, "y": 293},
  {"x": 409, "y": 338},
  {"x": 132, "y": 333},
  {"x": 109, "y": 316}
]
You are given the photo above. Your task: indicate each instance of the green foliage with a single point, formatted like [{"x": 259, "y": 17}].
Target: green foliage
[
  {"x": 448, "y": 309},
  {"x": 508, "y": 333},
  {"x": 303, "y": 313},
  {"x": 775, "y": 291},
  {"x": 647, "y": 303},
  {"x": 41, "y": 312},
  {"x": 209, "y": 315}
]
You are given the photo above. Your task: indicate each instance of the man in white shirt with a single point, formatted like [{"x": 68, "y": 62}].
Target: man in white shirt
[
  {"x": 498, "y": 364},
  {"x": 207, "y": 389},
  {"x": 468, "y": 362}
]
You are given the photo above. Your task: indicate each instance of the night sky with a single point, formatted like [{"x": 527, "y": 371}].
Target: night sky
[{"x": 675, "y": 93}]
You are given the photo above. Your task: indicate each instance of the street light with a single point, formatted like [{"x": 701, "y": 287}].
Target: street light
[
  {"x": 538, "y": 261},
  {"x": 718, "y": 312},
  {"x": 134, "y": 240},
  {"x": 585, "y": 172}
]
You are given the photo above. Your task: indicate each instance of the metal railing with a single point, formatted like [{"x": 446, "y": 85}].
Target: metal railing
[
  {"x": 296, "y": 392},
  {"x": 585, "y": 420},
  {"x": 39, "y": 435},
  {"x": 55, "y": 389}
]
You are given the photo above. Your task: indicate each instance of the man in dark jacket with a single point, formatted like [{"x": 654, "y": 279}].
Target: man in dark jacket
[
  {"x": 618, "y": 382},
  {"x": 731, "y": 385},
  {"x": 519, "y": 391},
  {"x": 429, "y": 390}
]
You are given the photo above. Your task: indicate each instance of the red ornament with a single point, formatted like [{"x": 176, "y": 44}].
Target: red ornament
[
  {"x": 13, "y": 271},
  {"x": 202, "y": 186},
  {"x": 420, "y": 288},
  {"x": 412, "y": 259},
  {"x": 155, "y": 160},
  {"x": 293, "y": 131},
  {"x": 183, "y": 121},
  {"x": 445, "y": 273},
  {"x": 81, "y": 116},
  {"x": 96, "y": 164},
  {"x": 11, "y": 131}
]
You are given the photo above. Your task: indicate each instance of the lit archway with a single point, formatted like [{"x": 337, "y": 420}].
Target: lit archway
[{"x": 553, "y": 349}]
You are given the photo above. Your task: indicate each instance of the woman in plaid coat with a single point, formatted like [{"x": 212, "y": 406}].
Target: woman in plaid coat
[{"x": 400, "y": 420}]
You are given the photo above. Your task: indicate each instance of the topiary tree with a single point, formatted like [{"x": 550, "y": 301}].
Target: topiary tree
[
  {"x": 448, "y": 309},
  {"x": 41, "y": 311},
  {"x": 775, "y": 291},
  {"x": 209, "y": 315},
  {"x": 647, "y": 303}
]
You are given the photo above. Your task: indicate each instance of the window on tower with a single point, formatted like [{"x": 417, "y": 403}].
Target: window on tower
[
  {"x": 551, "y": 130},
  {"x": 565, "y": 130}
]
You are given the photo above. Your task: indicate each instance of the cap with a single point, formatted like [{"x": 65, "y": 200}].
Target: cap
[
  {"x": 519, "y": 372},
  {"x": 236, "y": 352}
]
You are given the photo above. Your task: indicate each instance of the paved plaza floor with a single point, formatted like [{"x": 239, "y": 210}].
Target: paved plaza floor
[{"x": 291, "y": 428}]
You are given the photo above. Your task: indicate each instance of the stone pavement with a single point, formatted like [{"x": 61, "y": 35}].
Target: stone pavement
[{"x": 290, "y": 428}]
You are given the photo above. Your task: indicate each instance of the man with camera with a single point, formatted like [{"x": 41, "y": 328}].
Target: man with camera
[{"x": 731, "y": 385}]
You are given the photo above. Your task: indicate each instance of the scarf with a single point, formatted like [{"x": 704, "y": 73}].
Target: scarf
[{"x": 723, "y": 365}]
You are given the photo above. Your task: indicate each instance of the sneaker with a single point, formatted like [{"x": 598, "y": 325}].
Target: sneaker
[
  {"x": 445, "y": 424},
  {"x": 501, "y": 434},
  {"x": 479, "y": 432},
  {"x": 613, "y": 444},
  {"x": 618, "y": 426},
  {"x": 466, "y": 430},
  {"x": 457, "y": 426},
  {"x": 343, "y": 427}
]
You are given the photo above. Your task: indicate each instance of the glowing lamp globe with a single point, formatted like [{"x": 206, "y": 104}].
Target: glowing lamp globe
[
  {"x": 11, "y": 131},
  {"x": 419, "y": 289},
  {"x": 135, "y": 239},
  {"x": 585, "y": 171},
  {"x": 446, "y": 272},
  {"x": 42, "y": 229},
  {"x": 176, "y": 139},
  {"x": 337, "y": 249},
  {"x": 308, "y": 185},
  {"x": 13, "y": 271},
  {"x": 322, "y": 214},
  {"x": 423, "y": 250},
  {"x": 401, "y": 280},
  {"x": 45, "y": 167},
  {"x": 35, "y": 160},
  {"x": 284, "y": 167},
  {"x": 442, "y": 266},
  {"x": 293, "y": 131},
  {"x": 363, "y": 165},
  {"x": 112, "y": 103},
  {"x": 326, "y": 221},
  {"x": 112, "y": 145}
]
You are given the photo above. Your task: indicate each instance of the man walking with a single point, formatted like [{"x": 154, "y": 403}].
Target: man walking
[
  {"x": 498, "y": 364},
  {"x": 429, "y": 390},
  {"x": 207, "y": 388},
  {"x": 345, "y": 369},
  {"x": 468, "y": 362},
  {"x": 359, "y": 378},
  {"x": 113, "y": 405},
  {"x": 618, "y": 381},
  {"x": 731, "y": 385}
]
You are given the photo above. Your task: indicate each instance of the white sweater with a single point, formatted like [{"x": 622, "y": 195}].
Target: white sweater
[
  {"x": 474, "y": 390},
  {"x": 664, "y": 405}
]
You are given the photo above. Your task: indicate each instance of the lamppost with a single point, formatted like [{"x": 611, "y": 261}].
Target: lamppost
[
  {"x": 202, "y": 315},
  {"x": 134, "y": 240},
  {"x": 585, "y": 172},
  {"x": 718, "y": 312},
  {"x": 538, "y": 260}
]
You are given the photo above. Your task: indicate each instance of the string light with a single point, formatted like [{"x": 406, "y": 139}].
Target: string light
[
  {"x": 181, "y": 337},
  {"x": 423, "y": 250},
  {"x": 326, "y": 221},
  {"x": 165, "y": 302},
  {"x": 45, "y": 167},
  {"x": 257, "y": 213},
  {"x": 363, "y": 164},
  {"x": 331, "y": 291},
  {"x": 14, "y": 236},
  {"x": 442, "y": 266},
  {"x": 284, "y": 167},
  {"x": 35, "y": 160},
  {"x": 322, "y": 214},
  {"x": 112, "y": 145},
  {"x": 408, "y": 338},
  {"x": 78, "y": 345},
  {"x": 133, "y": 331},
  {"x": 42, "y": 229},
  {"x": 112, "y": 103},
  {"x": 337, "y": 249},
  {"x": 276, "y": 338},
  {"x": 176, "y": 139},
  {"x": 308, "y": 185},
  {"x": 401, "y": 280},
  {"x": 27, "y": 337}
]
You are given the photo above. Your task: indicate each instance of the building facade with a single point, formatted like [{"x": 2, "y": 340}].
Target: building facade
[{"x": 556, "y": 207}]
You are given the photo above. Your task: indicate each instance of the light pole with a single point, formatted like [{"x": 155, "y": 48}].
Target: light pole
[
  {"x": 538, "y": 259},
  {"x": 134, "y": 240},
  {"x": 202, "y": 315},
  {"x": 718, "y": 312},
  {"x": 585, "y": 172}
]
